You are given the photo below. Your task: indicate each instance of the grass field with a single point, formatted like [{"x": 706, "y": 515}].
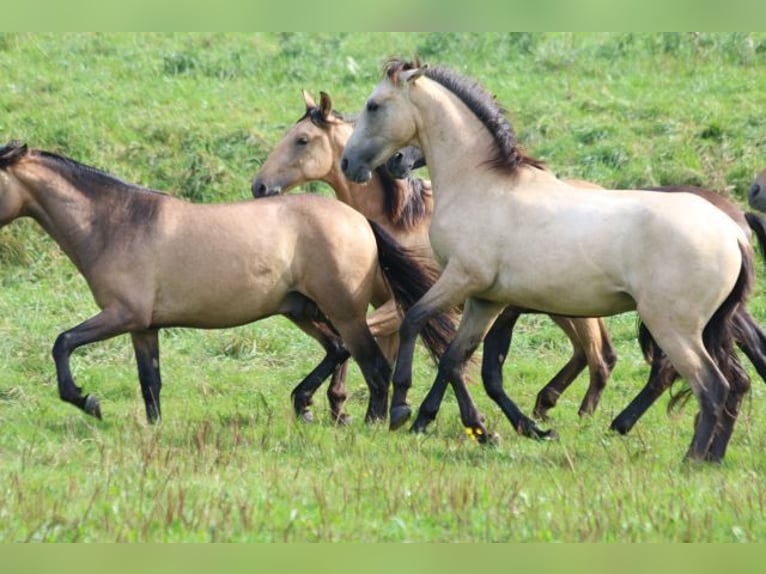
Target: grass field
[{"x": 195, "y": 115}]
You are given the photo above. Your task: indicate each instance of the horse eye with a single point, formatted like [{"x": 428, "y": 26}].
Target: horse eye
[
  {"x": 372, "y": 105},
  {"x": 302, "y": 140}
]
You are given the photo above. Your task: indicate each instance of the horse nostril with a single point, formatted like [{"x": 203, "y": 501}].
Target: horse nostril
[
  {"x": 344, "y": 164},
  {"x": 755, "y": 189},
  {"x": 258, "y": 188}
]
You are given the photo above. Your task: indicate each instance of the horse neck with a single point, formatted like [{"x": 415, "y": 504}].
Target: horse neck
[
  {"x": 454, "y": 141},
  {"x": 64, "y": 212},
  {"x": 368, "y": 198}
]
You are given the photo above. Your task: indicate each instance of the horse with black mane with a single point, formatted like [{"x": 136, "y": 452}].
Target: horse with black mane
[
  {"x": 154, "y": 261},
  {"x": 507, "y": 231}
]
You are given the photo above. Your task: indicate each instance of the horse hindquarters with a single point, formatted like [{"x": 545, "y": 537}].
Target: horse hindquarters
[{"x": 706, "y": 360}]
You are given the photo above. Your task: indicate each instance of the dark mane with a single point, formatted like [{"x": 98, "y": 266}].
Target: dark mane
[
  {"x": 117, "y": 202},
  {"x": 404, "y": 199},
  {"x": 11, "y": 152},
  {"x": 86, "y": 177},
  {"x": 509, "y": 154}
]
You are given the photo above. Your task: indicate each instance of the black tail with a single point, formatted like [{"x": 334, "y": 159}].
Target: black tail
[
  {"x": 758, "y": 225},
  {"x": 409, "y": 280},
  {"x": 721, "y": 331}
]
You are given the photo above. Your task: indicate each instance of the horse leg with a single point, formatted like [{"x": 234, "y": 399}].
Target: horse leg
[
  {"x": 305, "y": 314},
  {"x": 751, "y": 339},
  {"x": 451, "y": 289},
  {"x": 496, "y": 345},
  {"x": 661, "y": 376},
  {"x": 337, "y": 395},
  {"x": 690, "y": 357},
  {"x": 591, "y": 347},
  {"x": 147, "y": 350},
  {"x": 550, "y": 393},
  {"x": 740, "y": 385},
  {"x": 373, "y": 364},
  {"x": 477, "y": 317},
  {"x": 106, "y": 324}
]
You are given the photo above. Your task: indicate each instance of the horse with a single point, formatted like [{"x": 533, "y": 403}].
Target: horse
[
  {"x": 750, "y": 337},
  {"x": 507, "y": 231},
  {"x": 154, "y": 261},
  {"x": 756, "y": 195},
  {"x": 311, "y": 149}
]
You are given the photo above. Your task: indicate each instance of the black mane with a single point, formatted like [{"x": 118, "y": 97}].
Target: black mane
[
  {"x": 404, "y": 199},
  {"x": 509, "y": 154}
]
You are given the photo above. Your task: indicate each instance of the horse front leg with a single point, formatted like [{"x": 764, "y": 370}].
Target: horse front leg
[
  {"x": 451, "y": 289},
  {"x": 108, "y": 323},
  {"x": 147, "y": 351}
]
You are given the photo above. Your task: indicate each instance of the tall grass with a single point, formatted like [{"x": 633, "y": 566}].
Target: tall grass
[{"x": 195, "y": 115}]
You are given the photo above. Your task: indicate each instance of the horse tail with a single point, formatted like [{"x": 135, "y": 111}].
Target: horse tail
[
  {"x": 723, "y": 329},
  {"x": 409, "y": 280},
  {"x": 758, "y": 225}
]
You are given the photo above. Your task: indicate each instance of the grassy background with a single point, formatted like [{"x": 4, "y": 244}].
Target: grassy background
[{"x": 195, "y": 115}]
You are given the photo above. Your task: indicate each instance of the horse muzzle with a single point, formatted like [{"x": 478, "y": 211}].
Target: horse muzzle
[
  {"x": 356, "y": 171},
  {"x": 262, "y": 189}
]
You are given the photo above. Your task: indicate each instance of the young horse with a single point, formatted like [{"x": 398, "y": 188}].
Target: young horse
[
  {"x": 311, "y": 150},
  {"x": 154, "y": 261},
  {"x": 509, "y": 232},
  {"x": 750, "y": 337}
]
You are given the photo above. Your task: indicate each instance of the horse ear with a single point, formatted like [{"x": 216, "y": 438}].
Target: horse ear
[
  {"x": 309, "y": 101},
  {"x": 414, "y": 74},
  {"x": 325, "y": 105}
]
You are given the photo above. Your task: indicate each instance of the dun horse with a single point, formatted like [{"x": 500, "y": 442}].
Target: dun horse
[
  {"x": 154, "y": 261},
  {"x": 311, "y": 150},
  {"x": 750, "y": 337},
  {"x": 508, "y": 232}
]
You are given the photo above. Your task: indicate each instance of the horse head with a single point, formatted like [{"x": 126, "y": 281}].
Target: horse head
[
  {"x": 307, "y": 152},
  {"x": 386, "y": 124}
]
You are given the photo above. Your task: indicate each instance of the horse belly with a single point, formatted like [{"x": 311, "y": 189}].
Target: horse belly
[
  {"x": 562, "y": 292},
  {"x": 226, "y": 291}
]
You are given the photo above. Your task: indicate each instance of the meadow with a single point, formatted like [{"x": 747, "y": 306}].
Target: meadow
[{"x": 195, "y": 115}]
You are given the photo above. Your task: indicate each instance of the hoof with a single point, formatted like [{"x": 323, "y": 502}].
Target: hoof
[
  {"x": 399, "y": 416},
  {"x": 548, "y": 435},
  {"x": 481, "y": 435},
  {"x": 92, "y": 406},
  {"x": 619, "y": 428},
  {"x": 341, "y": 420},
  {"x": 307, "y": 416}
]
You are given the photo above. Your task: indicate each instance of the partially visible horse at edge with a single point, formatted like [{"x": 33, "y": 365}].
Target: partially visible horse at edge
[
  {"x": 508, "y": 231},
  {"x": 154, "y": 261}
]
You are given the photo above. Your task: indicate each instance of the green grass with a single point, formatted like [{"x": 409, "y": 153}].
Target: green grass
[{"x": 195, "y": 115}]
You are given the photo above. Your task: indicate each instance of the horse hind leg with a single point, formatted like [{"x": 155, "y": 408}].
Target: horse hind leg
[
  {"x": 661, "y": 377},
  {"x": 376, "y": 370},
  {"x": 691, "y": 359},
  {"x": 739, "y": 386},
  {"x": 592, "y": 348},
  {"x": 305, "y": 314},
  {"x": 147, "y": 352}
]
